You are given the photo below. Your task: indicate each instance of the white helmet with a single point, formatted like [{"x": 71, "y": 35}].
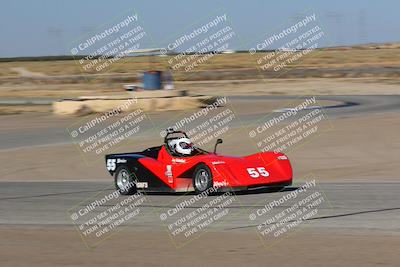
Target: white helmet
[{"x": 181, "y": 146}]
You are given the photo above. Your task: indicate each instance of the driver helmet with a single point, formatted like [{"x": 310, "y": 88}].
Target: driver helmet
[{"x": 182, "y": 146}]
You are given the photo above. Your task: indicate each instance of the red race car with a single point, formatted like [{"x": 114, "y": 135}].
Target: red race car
[{"x": 179, "y": 166}]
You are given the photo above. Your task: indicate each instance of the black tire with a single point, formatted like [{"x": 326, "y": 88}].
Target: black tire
[
  {"x": 202, "y": 178},
  {"x": 122, "y": 173}
]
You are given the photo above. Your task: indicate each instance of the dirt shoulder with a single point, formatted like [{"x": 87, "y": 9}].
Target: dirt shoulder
[
  {"x": 61, "y": 246},
  {"x": 309, "y": 86},
  {"x": 355, "y": 148}
]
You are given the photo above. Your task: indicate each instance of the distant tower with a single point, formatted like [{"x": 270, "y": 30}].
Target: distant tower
[
  {"x": 86, "y": 30},
  {"x": 337, "y": 24},
  {"x": 57, "y": 36},
  {"x": 362, "y": 27}
]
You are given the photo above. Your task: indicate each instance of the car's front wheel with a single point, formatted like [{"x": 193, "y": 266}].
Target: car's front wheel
[
  {"x": 124, "y": 181},
  {"x": 202, "y": 178}
]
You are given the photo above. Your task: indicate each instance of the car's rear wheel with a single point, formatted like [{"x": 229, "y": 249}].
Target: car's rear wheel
[
  {"x": 124, "y": 181},
  {"x": 202, "y": 178}
]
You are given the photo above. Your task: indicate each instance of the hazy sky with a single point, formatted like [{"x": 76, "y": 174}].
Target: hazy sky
[{"x": 50, "y": 27}]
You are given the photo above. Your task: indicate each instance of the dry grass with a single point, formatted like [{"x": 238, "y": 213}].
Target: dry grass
[
  {"x": 18, "y": 109},
  {"x": 356, "y": 57},
  {"x": 59, "y": 90}
]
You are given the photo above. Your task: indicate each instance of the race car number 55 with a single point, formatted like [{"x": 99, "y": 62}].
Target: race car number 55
[
  {"x": 111, "y": 164},
  {"x": 257, "y": 172}
]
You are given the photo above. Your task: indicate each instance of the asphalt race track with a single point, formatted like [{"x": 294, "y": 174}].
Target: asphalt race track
[
  {"x": 366, "y": 205},
  {"x": 357, "y": 206},
  {"x": 346, "y": 106}
]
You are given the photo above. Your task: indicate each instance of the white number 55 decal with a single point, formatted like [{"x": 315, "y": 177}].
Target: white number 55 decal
[
  {"x": 256, "y": 172},
  {"x": 111, "y": 164}
]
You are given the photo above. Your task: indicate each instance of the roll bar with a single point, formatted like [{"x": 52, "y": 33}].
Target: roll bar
[{"x": 171, "y": 131}]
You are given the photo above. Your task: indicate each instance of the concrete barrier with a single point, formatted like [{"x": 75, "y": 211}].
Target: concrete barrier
[{"x": 147, "y": 102}]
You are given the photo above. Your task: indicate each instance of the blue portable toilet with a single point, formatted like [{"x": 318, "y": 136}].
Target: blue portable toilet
[{"x": 152, "y": 80}]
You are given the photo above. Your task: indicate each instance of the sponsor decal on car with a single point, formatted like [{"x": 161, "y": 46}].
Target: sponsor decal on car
[
  {"x": 142, "y": 185},
  {"x": 169, "y": 175},
  {"x": 218, "y": 184},
  {"x": 112, "y": 163},
  {"x": 179, "y": 160}
]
